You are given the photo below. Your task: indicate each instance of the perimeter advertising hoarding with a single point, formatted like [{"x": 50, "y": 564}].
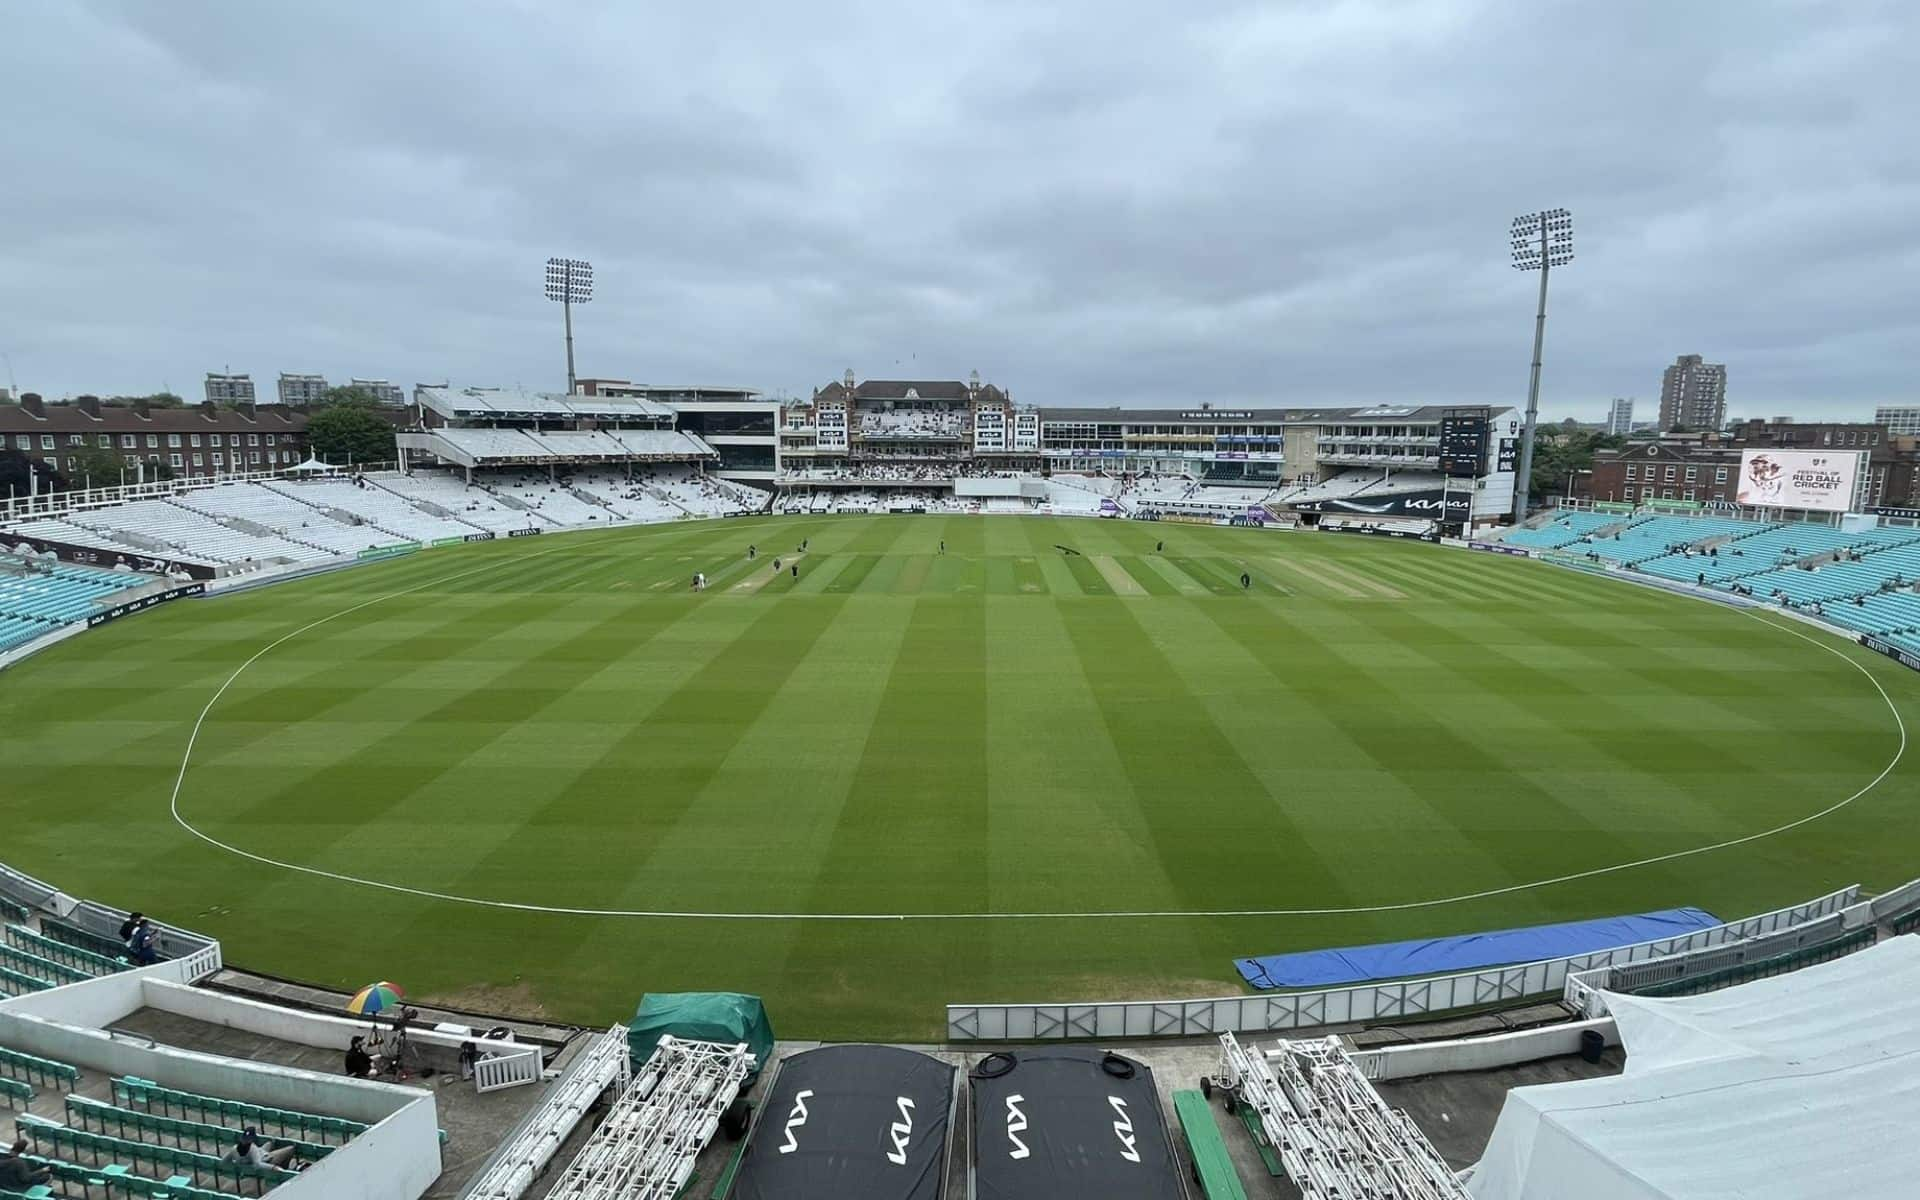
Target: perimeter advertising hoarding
[{"x": 1812, "y": 480}]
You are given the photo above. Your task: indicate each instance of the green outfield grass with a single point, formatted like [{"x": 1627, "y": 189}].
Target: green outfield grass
[{"x": 1000, "y": 728}]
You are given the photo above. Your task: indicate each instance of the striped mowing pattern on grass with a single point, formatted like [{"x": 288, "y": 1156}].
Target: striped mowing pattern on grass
[{"x": 1003, "y": 727}]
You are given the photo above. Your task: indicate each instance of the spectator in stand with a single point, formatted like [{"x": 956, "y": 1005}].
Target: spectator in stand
[
  {"x": 248, "y": 1148},
  {"x": 127, "y": 926},
  {"x": 359, "y": 1062},
  {"x": 142, "y": 944},
  {"x": 17, "y": 1174}
]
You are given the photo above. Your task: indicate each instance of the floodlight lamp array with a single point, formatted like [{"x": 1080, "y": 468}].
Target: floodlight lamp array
[
  {"x": 569, "y": 279},
  {"x": 1542, "y": 238}
]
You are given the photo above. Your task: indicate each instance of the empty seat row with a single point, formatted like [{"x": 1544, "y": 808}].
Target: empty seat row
[
  {"x": 22, "y": 938},
  {"x": 53, "y": 1140},
  {"x": 144, "y": 1094},
  {"x": 199, "y": 1136}
]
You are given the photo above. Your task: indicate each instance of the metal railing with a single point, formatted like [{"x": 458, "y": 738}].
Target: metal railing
[
  {"x": 1391, "y": 1000},
  {"x": 526, "y": 1152}
]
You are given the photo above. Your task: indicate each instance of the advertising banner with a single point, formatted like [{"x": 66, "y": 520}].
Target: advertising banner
[
  {"x": 1894, "y": 652},
  {"x": 388, "y": 551},
  {"x": 1500, "y": 548},
  {"x": 529, "y": 532},
  {"x": 1438, "y": 505},
  {"x": 133, "y": 606},
  {"x": 1814, "y": 480}
]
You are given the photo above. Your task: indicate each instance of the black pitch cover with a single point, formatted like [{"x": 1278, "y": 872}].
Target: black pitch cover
[
  {"x": 1065, "y": 1123},
  {"x": 851, "y": 1123}
]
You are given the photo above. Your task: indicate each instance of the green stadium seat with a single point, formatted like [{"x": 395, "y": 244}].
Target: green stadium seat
[
  {"x": 17, "y": 1093},
  {"x": 19, "y": 983},
  {"x": 28, "y": 963},
  {"x": 121, "y": 1156},
  {"x": 102, "y": 944},
  {"x": 20, "y": 937},
  {"x": 31, "y": 1067},
  {"x": 143, "y": 1126},
  {"x": 134, "y": 1093}
]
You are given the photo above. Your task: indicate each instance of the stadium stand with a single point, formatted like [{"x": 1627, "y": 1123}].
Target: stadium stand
[
  {"x": 386, "y": 511},
  {"x": 39, "y": 596},
  {"x": 173, "y": 528},
  {"x": 284, "y": 515},
  {"x": 1564, "y": 529}
]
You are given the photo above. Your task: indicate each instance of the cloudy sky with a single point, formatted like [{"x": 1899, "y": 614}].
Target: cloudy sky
[{"x": 1105, "y": 202}]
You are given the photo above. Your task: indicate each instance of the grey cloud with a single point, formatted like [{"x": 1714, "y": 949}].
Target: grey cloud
[{"x": 1120, "y": 202}]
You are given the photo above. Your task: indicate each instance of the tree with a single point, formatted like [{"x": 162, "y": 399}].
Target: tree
[
  {"x": 156, "y": 400},
  {"x": 350, "y": 432},
  {"x": 349, "y": 395},
  {"x": 97, "y": 466},
  {"x": 1555, "y": 460},
  {"x": 17, "y": 472}
]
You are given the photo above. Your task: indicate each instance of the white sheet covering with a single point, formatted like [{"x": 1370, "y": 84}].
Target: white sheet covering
[{"x": 1802, "y": 1086}]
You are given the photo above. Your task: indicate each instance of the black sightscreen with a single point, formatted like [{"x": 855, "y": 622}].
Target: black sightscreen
[
  {"x": 851, "y": 1123},
  {"x": 1062, "y": 1124}
]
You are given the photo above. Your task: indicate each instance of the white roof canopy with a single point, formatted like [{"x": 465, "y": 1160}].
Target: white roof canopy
[{"x": 1806, "y": 1084}]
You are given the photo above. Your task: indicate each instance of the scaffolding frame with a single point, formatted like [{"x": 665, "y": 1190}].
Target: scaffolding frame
[
  {"x": 646, "y": 1147},
  {"x": 1337, "y": 1139}
]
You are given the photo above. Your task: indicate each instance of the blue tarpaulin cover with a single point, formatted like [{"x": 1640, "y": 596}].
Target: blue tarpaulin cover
[{"x": 1467, "y": 952}]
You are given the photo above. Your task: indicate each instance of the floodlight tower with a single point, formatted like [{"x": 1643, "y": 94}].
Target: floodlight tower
[
  {"x": 569, "y": 281},
  {"x": 1541, "y": 242}
]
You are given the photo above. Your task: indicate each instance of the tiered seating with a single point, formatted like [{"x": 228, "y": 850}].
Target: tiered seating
[
  {"x": 474, "y": 505},
  {"x": 1883, "y": 613},
  {"x": 52, "y": 1140},
  {"x": 1897, "y": 566},
  {"x": 1768, "y": 547},
  {"x": 697, "y": 493},
  {"x": 57, "y": 592},
  {"x": 143, "y": 1094},
  {"x": 295, "y": 521},
  {"x": 627, "y": 498},
  {"x": 1657, "y": 536},
  {"x": 1565, "y": 528},
  {"x": 187, "y": 531},
  {"x": 85, "y": 939},
  {"x": 38, "y": 596},
  {"x": 199, "y": 1136},
  {"x": 553, "y": 503},
  {"x": 39, "y": 967},
  {"x": 376, "y": 506},
  {"x": 31, "y": 1068},
  {"x": 22, "y": 938}
]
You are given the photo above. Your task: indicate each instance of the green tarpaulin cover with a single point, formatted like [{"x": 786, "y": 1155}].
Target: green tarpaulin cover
[{"x": 701, "y": 1016}]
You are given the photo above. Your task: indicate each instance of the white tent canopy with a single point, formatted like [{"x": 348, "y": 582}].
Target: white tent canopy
[
  {"x": 314, "y": 466},
  {"x": 1806, "y": 1084}
]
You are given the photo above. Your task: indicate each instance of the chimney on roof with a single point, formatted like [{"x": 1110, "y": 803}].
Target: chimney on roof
[
  {"x": 141, "y": 408},
  {"x": 248, "y": 410},
  {"x": 32, "y": 402},
  {"x": 209, "y": 409},
  {"x": 89, "y": 405}
]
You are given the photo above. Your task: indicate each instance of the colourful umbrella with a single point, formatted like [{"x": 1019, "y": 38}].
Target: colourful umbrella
[{"x": 374, "y": 998}]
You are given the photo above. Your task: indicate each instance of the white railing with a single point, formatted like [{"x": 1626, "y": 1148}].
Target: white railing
[
  {"x": 494, "y": 1072},
  {"x": 1335, "y": 1137},
  {"x": 1399, "y": 1000},
  {"x": 646, "y": 1147},
  {"x": 525, "y": 1153}
]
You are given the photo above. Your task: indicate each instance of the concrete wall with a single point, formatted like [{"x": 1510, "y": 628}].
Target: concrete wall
[{"x": 397, "y": 1159}]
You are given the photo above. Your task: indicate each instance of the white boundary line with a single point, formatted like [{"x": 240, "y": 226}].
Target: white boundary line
[{"x": 562, "y": 910}]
